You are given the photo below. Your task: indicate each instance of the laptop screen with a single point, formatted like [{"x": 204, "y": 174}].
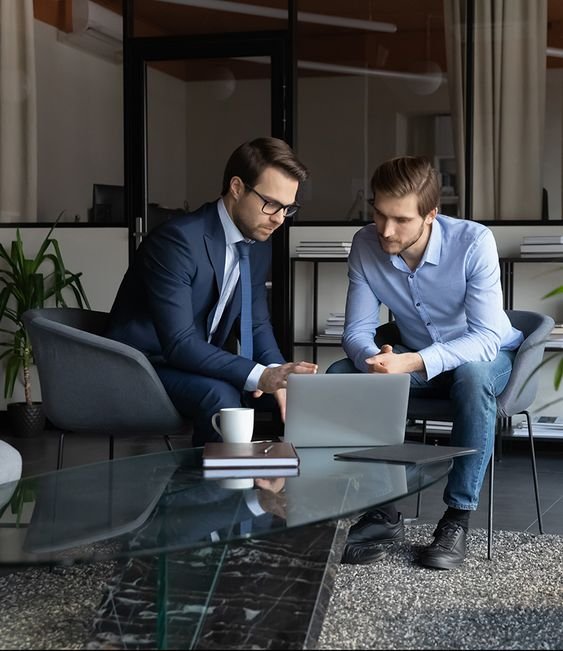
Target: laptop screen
[{"x": 341, "y": 409}]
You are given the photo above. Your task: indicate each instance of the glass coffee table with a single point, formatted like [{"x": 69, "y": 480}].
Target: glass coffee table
[{"x": 210, "y": 557}]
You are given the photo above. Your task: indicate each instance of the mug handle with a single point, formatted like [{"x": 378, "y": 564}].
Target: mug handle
[{"x": 214, "y": 423}]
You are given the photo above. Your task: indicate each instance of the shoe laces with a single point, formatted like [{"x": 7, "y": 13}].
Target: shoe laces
[{"x": 446, "y": 534}]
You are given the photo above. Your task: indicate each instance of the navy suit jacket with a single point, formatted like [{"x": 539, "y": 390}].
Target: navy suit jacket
[{"x": 166, "y": 302}]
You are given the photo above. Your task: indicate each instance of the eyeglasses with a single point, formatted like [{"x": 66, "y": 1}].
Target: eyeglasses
[{"x": 272, "y": 207}]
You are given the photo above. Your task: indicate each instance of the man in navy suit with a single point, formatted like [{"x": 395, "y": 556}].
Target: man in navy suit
[{"x": 181, "y": 298}]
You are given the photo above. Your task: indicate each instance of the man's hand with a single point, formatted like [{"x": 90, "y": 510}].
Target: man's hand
[
  {"x": 389, "y": 362},
  {"x": 269, "y": 496},
  {"x": 275, "y": 378}
]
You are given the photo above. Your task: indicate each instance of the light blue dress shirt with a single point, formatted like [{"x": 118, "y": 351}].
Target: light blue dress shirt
[{"x": 449, "y": 308}]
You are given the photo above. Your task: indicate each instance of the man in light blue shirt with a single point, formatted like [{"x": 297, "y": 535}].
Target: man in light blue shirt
[{"x": 440, "y": 277}]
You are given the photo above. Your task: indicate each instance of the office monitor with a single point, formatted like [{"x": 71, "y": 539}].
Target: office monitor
[{"x": 107, "y": 204}]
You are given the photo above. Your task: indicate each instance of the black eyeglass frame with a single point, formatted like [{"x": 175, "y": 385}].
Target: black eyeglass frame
[{"x": 294, "y": 207}]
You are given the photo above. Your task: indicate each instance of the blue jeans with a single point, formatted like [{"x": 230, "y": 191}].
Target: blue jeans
[{"x": 473, "y": 388}]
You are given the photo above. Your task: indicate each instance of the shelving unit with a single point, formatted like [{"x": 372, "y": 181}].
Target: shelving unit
[{"x": 311, "y": 341}]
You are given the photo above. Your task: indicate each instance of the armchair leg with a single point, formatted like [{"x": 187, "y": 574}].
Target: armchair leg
[
  {"x": 419, "y": 494},
  {"x": 111, "y": 447},
  {"x": 491, "y": 500},
  {"x": 168, "y": 443},
  {"x": 534, "y": 470},
  {"x": 60, "y": 451}
]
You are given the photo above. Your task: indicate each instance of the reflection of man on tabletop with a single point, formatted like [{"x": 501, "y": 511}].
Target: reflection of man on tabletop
[
  {"x": 440, "y": 278},
  {"x": 207, "y": 511},
  {"x": 202, "y": 275}
]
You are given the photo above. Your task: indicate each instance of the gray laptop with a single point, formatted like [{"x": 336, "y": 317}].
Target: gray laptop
[{"x": 346, "y": 409}]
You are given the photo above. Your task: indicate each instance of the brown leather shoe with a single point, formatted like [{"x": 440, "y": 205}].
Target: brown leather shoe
[
  {"x": 448, "y": 549},
  {"x": 371, "y": 537}
]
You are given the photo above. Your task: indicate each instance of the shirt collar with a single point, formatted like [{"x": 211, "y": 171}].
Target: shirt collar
[
  {"x": 232, "y": 233},
  {"x": 434, "y": 246}
]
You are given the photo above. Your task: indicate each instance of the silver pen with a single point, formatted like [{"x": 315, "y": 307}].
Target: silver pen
[{"x": 266, "y": 450}]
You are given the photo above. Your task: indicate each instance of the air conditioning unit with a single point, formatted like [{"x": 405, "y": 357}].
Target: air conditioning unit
[{"x": 95, "y": 29}]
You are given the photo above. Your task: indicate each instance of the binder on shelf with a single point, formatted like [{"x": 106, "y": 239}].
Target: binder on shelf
[
  {"x": 324, "y": 243},
  {"x": 541, "y": 248},
  {"x": 541, "y": 255},
  {"x": 542, "y": 239},
  {"x": 340, "y": 254}
]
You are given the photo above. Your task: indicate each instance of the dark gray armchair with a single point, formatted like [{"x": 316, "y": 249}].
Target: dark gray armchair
[{"x": 92, "y": 384}]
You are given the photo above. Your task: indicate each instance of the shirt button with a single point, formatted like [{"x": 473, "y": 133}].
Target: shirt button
[
  {"x": 411, "y": 276},
  {"x": 418, "y": 305},
  {"x": 428, "y": 323}
]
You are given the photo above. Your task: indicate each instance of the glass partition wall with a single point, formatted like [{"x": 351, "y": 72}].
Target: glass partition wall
[{"x": 473, "y": 84}]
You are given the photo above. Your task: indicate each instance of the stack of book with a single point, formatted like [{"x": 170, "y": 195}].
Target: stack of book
[
  {"x": 543, "y": 426},
  {"x": 542, "y": 246},
  {"x": 326, "y": 249},
  {"x": 555, "y": 339},
  {"x": 436, "y": 425},
  {"x": 256, "y": 459},
  {"x": 334, "y": 328}
]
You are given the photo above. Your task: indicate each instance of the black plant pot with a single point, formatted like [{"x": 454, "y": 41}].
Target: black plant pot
[{"x": 26, "y": 420}]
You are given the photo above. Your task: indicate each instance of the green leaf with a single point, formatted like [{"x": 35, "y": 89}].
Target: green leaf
[{"x": 554, "y": 292}]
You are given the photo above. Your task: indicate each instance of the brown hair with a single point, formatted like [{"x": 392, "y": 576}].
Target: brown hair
[
  {"x": 405, "y": 175},
  {"x": 250, "y": 159}
]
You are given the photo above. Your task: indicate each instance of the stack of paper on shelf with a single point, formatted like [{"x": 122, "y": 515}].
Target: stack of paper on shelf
[
  {"x": 320, "y": 249},
  {"x": 542, "y": 246},
  {"x": 542, "y": 426},
  {"x": 334, "y": 327},
  {"x": 555, "y": 339},
  {"x": 436, "y": 425}
]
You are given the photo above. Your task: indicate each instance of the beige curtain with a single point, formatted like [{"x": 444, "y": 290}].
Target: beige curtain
[
  {"x": 18, "y": 112},
  {"x": 510, "y": 53},
  {"x": 454, "y": 22}
]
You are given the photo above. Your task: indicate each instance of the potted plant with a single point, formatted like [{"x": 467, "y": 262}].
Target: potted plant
[{"x": 29, "y": 283}]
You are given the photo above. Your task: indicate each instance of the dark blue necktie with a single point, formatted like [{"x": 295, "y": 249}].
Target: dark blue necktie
[{"x": 246, "y": 302}]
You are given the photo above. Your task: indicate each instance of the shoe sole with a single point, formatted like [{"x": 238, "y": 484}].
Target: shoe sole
[
  {"x": 440, "y": 565},
  {"x": 370, "y": 553},
  {"x": 367, "y": 558}
]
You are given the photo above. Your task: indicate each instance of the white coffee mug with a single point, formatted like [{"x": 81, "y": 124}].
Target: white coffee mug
[{"x": 237, "y": 424}]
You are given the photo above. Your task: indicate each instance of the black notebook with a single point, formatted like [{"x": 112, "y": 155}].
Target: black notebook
[{"x": 406, "y": 453}]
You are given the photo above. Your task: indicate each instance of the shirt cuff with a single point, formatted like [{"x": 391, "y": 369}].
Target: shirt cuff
[
  {"x": 432, "y": 362},
  {"x": 252, "y": 380}
]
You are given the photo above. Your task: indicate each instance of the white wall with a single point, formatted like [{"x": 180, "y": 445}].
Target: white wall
[{"x": 80, "y": 125}]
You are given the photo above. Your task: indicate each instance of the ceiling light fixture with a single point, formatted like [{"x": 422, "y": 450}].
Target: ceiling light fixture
[
  {"x": 282, "y": 14},
  {"x": 355, "y": 70}
]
